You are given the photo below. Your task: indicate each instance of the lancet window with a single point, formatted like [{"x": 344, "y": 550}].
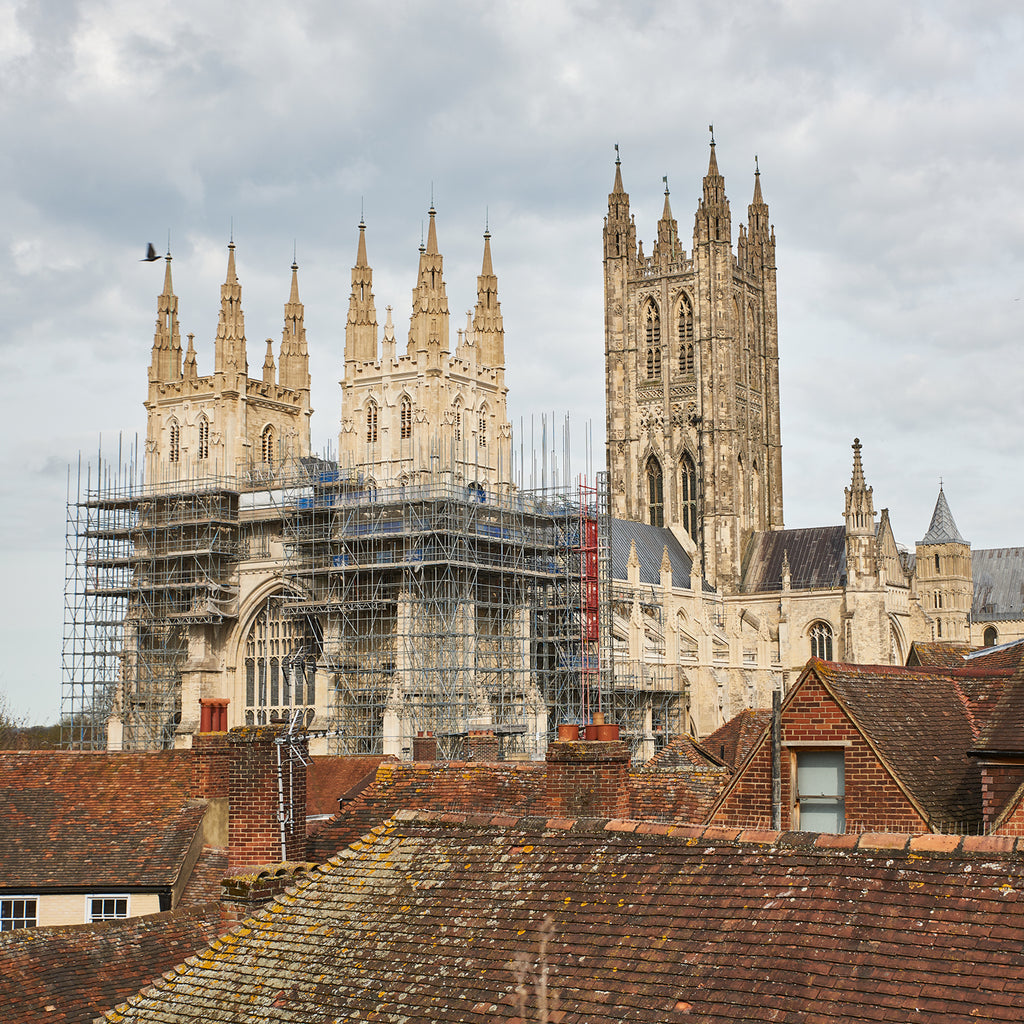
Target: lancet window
[
  {"x": 174, "y": 442},
  {"x": 405, "y": 416},
  {"x": 652, "y": 328},
  {"x": 688, "y": 495},
  {"x": 203, "y": 449},
  {"x": 267, "y": 452},
  {"x": 371, "y": 423},
  {"x": 685, "y": 327},
  {"x": 655, "y": 493}
]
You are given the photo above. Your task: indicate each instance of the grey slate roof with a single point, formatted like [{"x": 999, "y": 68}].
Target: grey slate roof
[
  {"x": 942, "y": 529},
  {"x": 817, "y": 559},
  {"x": 651, "y": 542},
  {"x": 998, "y": 583}
]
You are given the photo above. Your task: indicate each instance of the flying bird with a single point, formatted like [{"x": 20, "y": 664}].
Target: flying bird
[{"x": 151, "y": 254}]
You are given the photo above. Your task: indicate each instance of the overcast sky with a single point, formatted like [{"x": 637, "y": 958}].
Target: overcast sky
[{"x": 891, "y": 145}]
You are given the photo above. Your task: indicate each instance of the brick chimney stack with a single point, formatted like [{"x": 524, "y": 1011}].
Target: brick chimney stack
[
  {"x": 588, "y": 778},
  {"x": 267, "y": 796},
  {"x": 424, "y": 747},
  {"x": 481, "y": 745}
]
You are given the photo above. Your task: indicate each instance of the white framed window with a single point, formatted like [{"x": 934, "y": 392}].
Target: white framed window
[
  {"x": 821, "y": 641},
  {"x": 820, "y": 796},
  {"x": 18, "y": 912},
  {"x": 106, "y": 906}
]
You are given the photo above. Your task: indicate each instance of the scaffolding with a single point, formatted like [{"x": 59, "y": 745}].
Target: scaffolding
[
  {"x": 433, "y": 607},
  {"x": 442, "y": 608}
]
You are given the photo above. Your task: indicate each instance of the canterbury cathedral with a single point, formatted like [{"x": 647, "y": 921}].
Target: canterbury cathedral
[{"x": 410, "y": 586}]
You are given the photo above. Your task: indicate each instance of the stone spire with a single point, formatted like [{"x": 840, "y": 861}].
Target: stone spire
[
  {"x": 757, "y": 241},
  {"x": 428, "y": 328},
  {"x": 191, "y": 371},
  {"x": 489, "y": 333},
  {"x": 713, "y": 222},
  {"x": 619, "y": 229},
  {"x": 269, "y": 369},
  {"x": 942, "y": 529},
  {"x": 667, "y": 248},
  {"x": 860, "y": 510},
  {"x": 229, "y": 355},
  {"x": 294, "y": 354},
  {"x": 166, "y": 358},
  {"x": 361, "y": 329}
]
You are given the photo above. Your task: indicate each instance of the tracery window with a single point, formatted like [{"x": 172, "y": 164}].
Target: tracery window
[
  {"x": 203, "y": 449},
  {"x": 688, "y": 495},
  {"x": 655, "y": 493},
  {"x": 281, "y": 653},
  {"x": 457, "y": 421},
  {"x": 652, "y": 327},
  {"x": 686, "y": 361},
  {"x": 267, "y": 446},
  {"x": 174, "y": 442},
  {"x": 821, "y": 641},
  {"x": 371, "y": 423},
  {"x": 481, "y": 431},
  {"x": 405, "y": 417}
]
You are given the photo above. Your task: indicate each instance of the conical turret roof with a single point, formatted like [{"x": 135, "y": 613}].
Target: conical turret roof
[{"x": 943, "y": 527}]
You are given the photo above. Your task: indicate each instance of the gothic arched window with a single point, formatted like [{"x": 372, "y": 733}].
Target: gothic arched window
[
  {"x": 267, "y": 446},
  {"x": 991, "y": 636},
  {"x": 686, "y": 362},
  {"x": 371, "y": 423},
  {"x": 821, "y": 641},
  {"x": 481, "y": 428},
  {"x": 174, "y": 442},
  {"x": 652, "y": 328},
  {"x": 457, "y": 420},
  {"x": 281, "y": 653},
  {"x": 203, "y": 450},
  {"x": 655, "y": 493},
  {"x": 405, "y": 417},
  {"x": 688, "y": 495}
]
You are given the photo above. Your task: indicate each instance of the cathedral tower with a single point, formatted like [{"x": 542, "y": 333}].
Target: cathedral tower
[
  {"x": 944, "y": 575},
  {"x": 691, "y": 367}
]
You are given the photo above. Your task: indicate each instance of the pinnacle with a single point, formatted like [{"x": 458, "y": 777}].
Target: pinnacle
[
  {"x": 232, "y": 277},
  {"x": 294, "y": 296},
  {"x": 487, "y": 270},
  {"x": 432, "y": 232},
  {"x": 858, "y": 469},
  {"x": 168, "y": 288},
  {"x": 712, "y": 162},
  {"x": 361, "y": 251}
]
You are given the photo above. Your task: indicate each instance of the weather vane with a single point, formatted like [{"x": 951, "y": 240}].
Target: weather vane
[{"x": 711, "y": 128}]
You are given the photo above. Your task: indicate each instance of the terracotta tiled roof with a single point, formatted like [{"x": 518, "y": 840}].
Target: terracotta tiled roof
[
  {"x": 677, "y": 795},
  {"x": 682, "y": 752},
  {"x": 427, "y": 918},
  {"x": 920, "y": 723},
  {"x": 936, "y": 654},
  {"x": 734, "y": 740},
  {"x": 74, "y": 974},
  {"x": 1005, "y": 658},
  {"x": 1004, "y": 729},
  {"x": 204, "y": 883},
  {"x": 96, "y": 819},
  {"x": 328, "y": 778}
]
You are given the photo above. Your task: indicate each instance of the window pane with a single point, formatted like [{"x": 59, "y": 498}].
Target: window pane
[{"x": 820, "y": 784}]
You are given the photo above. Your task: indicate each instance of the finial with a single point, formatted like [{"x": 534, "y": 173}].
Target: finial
[
  {"x": 431, "y": 193},
  {"x": 487, "y": 220},
  {"x": 940, "y": 483},
  {"x": 231, "y": 238},
  {"x": 664, "y": 178},
  {"x": 757, "y": 170},
  {"x": 362, "y": 218},
  {"x": 617, "y": 160},
  {"x": 168, "y": 243},
  {"x": 856, "y": 444},
  {"x": 422, "y": 246},
  {"x": 295, "y": 251},
  {"x": 711, "y": 128}
]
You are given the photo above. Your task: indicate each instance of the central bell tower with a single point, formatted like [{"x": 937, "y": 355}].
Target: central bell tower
[{"x": 692, "y": 375}]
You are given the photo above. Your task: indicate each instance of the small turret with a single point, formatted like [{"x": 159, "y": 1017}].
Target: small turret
[
  {"x": 860, "y": 509},
  {"x": 230, "y": 356},
  {"x": 756, "y": 247},
  {"x": 667, "y": 249},
  {"x": 361, "y": 328},
  {"x": 191, "y": 370},
  {"x": 713, "y": 221},
  {"x": 619, "y": 229},
  {"x": 428, "y": 328},
  {"x": 294, "y": 353},
  {"x": 488, "y": 330},
  {"x": 166, "y": 358},
  {"x": 269, "y": 369}
]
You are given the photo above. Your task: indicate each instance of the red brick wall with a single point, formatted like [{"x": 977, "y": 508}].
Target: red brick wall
[
  {"x": 873, "y": 800},
  {"x": 481, "y": 745},
  {"x": 998, "y": 783},
  {"x": 211, "y": 759},
  {"x": 254, "y": 831},
  {"x": 424, "y": 747},
  {"x": 588, "y": 779},
  {"x": 1014, "y": 823}
]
